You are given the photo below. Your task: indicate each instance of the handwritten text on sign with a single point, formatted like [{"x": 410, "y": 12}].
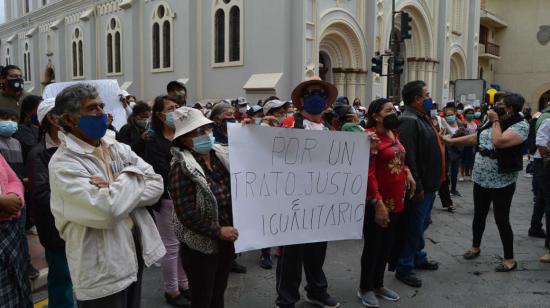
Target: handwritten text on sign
[{"x": 291, "y": 186}]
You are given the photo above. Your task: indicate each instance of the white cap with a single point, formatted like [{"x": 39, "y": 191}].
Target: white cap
[
  {"x": 273, "y": 104},
  {"x": 187, "y": 119},
  {"x": 242, "y": 101},
  {"x": 123, "y": 92},
  {"x": 44, "y": 108}
]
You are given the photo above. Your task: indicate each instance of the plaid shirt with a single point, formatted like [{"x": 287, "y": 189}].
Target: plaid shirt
[
  {"x": 15, "y": 288},
  {"x": 183, "y": 193}
]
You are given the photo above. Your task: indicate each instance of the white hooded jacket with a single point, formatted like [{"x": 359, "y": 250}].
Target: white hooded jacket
[{"x": 93, "y": 221}]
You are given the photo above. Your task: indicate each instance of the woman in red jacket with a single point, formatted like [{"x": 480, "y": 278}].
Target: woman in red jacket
[{"x": 389, "y": 179}]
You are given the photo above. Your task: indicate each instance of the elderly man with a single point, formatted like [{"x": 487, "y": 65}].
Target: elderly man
[
  {"x": 311, "y": 97},
  {"x": 99, "y": 190}
]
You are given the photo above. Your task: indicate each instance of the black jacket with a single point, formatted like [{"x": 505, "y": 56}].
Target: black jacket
[
  {"x": 39, "y": 188},
  {"x": 131, "y": 135},
  {"x": 423, "y": 156},
  {"x": 157, "y": 154}
]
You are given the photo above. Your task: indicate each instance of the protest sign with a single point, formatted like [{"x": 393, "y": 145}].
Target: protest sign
[
  {"x": 108, "y": 91},
  {"x": 291, "y": 186}
]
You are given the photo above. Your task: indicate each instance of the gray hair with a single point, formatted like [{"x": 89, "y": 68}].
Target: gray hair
[
  {"x": 218, "y": 110},
  {"x": 69, "y": 99}
]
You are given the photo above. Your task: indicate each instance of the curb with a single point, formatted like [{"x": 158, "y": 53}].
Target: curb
[{"x": 41, "y": 281}]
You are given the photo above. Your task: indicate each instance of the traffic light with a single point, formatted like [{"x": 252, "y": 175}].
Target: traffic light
[
  {"x": 405, "y": 26},
  {"x": 398, "y": 65},
  {"x": 377, "y": 64}
]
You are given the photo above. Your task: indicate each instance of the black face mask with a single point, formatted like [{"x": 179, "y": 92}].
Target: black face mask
[
  {"x": 15, "y": 84},
  {"x": 391, "y": 121},
  {"x": 499, "y": 110}
]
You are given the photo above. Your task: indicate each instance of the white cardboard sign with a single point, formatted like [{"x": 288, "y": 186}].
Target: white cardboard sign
[
  {"x": 292, "y": 186},
  {"x": 108, "y": 91}
]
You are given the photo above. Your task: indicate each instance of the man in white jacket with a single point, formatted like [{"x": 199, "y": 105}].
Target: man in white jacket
[{"x": 99, "y": 190}]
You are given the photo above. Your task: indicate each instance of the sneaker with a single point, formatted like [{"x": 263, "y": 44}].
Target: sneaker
[
  {"x": 461, "y": 179},
  {"x": 368, "y": 298},
  {"x": 409, "y": 279},
  {"x": 266, "y": 262},
  {"x": 32, "y": 231},
  {"x": 538, "y": 232},
  {"x": 178, "y": 301},
  {"x": 237, "y": 268},
  {"x": 455, "y": 193},
  {"x": 528, "y": 175},
  {"x": 326, "y": 302},
  {"x": 546, "y": 257},
  {"x": 387, "y": 294}
]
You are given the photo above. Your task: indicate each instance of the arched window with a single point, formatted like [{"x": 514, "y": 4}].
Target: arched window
[
  {"x": 227, "y": 33},
  {"x": 234, "y": 34},
  {"x": 49, "y": 50},
  {"x": 8, "y": 59},
  {"x": 161, "y": 34},
  {"x": 219, "y": 37},
  {"x": 114, "y": 53},
  {"x": 27, "y": 63},
  {"x": 77, "y": 53}
]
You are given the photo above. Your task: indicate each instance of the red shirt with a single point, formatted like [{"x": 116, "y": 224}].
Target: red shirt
[{"x": 388, "y": 173}]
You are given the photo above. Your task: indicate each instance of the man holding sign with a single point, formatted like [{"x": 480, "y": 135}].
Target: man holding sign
[{"x": 299, "y": 188}]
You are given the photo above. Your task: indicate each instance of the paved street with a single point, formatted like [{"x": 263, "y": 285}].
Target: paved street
[{"x": 458, "y": 283}]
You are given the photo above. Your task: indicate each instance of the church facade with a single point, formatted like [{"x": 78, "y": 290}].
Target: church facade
[{"x": 231, "y": 48}]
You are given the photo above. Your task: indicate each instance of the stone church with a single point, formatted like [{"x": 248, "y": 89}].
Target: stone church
[{"x": 231, "y": 48}]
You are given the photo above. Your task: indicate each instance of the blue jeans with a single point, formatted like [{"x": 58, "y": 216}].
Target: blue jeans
[
  {"x": 419, "y": 220},
  {"x": 60, "y": 287}
]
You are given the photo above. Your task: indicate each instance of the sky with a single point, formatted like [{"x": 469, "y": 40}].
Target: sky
[{"x": 1, "y": 11}]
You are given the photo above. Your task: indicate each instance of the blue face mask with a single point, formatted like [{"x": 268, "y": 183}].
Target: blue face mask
[
  {"x": 203, "y": 144},
  {"x": 258, "y": 121},
  {"x": 169, "y": 119},
  {"x": 7, "y": 128},
  {"x": 314, "y": 104},
  {"x": 451, "y": 118},
  {"x": 94, "y": 127},
  {"x": 427, "y": 104},
  {"x": 433, "y": 113},
  {"x": 477, "y": 115}
]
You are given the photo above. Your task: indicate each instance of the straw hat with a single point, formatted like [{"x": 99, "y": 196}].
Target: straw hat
[
  {"x": 188, "y": 119},
  {"x": 329, "y": 88}
]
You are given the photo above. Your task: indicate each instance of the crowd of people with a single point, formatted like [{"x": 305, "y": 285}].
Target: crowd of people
[{"x": 108, "y": 203}]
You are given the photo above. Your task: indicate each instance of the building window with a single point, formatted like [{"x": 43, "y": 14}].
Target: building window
[
  {"x": 219, "y": 37},
  {"x": 114, "y": 54},
  {"x": 162, "y": 38},
  {"x": 49, "y": 50},
  {"x": 227, "y": 32},
  {"x": 8, "y": 59},
  {"x": 44, "y": 2},
  {"x": 27, "y": 6},
  {"x": 77, "y": 53},
  {"x": 234, "y": 34},
  {"x": 27, "y": 63}
]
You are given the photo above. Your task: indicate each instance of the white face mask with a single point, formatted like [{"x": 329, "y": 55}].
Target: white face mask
[
  {"x": 242, "y": 110},
  {"x": 132, "y": 104}
]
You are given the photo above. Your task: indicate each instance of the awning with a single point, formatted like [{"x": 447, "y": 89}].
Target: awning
[{"x": 263, "y": 81}]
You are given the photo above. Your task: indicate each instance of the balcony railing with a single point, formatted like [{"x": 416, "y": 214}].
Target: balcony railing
[{"x": 492, "y": 49}]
